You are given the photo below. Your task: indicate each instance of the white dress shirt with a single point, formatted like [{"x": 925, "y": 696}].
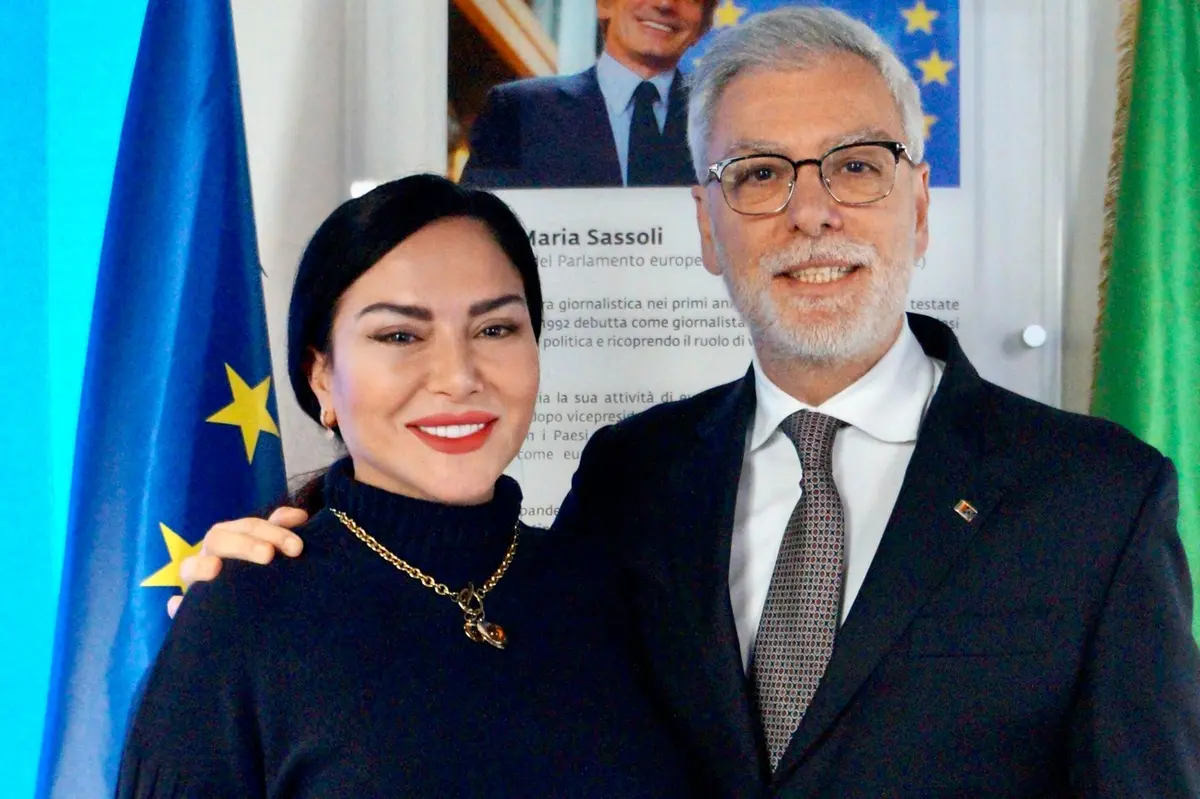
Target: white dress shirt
[
  {"x": 617, "y": 84},
  {"x": 883, "y": 411}
]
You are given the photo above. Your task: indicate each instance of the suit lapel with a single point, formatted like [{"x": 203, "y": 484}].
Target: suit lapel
[
  {"x": 596, "y": 164},
  {"x": 924, "y": 537},
  {"x": 675, "y": 165},
  {"x": 689, "y": 623}
]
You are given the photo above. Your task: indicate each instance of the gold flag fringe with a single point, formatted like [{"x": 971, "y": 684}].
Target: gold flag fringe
[{"x": 1126, "y": 47}]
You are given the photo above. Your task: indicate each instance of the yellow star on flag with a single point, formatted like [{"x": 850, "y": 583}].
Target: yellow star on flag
[
  {"x": 930, "y": 121},
  {"x": 935, "y": 70},
  {"x": 727, "y": 14},
  {"x": 920, "y": 18},
  {"x": 247, "y": 411},
  {"x": 178, "y": 548}
]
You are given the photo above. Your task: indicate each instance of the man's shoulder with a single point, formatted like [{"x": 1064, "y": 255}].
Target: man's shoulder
[
  {"x": 542, "y": 88},
  {"x": 1031, "y": 433},
  {"x": 1054, "y": 437},
  {"x": 670, "y": 419}
]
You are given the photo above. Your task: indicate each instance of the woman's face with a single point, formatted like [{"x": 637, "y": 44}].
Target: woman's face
[{"x": 433, "y": 371}]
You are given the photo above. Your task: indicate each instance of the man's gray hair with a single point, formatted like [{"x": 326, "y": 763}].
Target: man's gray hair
[{"x": 793, "y": 38}]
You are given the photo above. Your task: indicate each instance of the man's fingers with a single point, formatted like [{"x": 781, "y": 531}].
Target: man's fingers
[
  {"x": 252, "y": 540},
  {"x": 199, "y": 569},
  {"x": 288, "y": 517}
]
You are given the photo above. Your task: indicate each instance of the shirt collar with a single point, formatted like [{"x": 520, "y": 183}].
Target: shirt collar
[
  {"x": 618, "y": 82},
  {"x": 887, "y": 403}
]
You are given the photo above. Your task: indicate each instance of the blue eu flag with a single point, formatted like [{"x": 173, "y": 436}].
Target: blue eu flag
[
  {"x": 177, "y": 422},
  {"x": 924, "y": 33}
]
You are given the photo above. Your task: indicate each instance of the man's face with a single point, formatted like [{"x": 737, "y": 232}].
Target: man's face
[
  {"x": 652, "y": 34},
  {"x": 818, "y": 280}
]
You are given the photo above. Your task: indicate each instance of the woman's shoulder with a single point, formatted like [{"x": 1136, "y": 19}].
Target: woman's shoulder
[{"x": 243, "y": 591}]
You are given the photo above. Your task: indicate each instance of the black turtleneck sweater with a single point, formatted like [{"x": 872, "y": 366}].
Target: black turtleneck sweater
[{"x": 336, "y": 675}]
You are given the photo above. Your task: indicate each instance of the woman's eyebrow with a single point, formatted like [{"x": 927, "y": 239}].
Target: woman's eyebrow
[
  {"x": 414, "y": 311},
  {"x": 484, "y": 306}
]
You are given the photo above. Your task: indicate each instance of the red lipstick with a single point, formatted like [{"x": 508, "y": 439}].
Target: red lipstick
[{"x": 458, "y": 445}]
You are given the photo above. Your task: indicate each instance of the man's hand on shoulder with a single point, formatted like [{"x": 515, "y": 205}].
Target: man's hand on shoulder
[{"x": 250, "y": 539}]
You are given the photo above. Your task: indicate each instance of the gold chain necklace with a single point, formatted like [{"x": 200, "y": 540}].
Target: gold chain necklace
[{"x": 469, "y": 599}]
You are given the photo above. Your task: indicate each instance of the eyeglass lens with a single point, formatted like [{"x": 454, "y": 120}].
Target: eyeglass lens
[{"x": 854, "y": 175}]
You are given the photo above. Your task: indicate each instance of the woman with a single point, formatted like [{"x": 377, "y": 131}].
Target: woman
[{"x": 427, "y": 644}]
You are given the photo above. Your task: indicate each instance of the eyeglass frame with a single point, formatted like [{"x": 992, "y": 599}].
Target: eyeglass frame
[{"x": 896, "y": 148}]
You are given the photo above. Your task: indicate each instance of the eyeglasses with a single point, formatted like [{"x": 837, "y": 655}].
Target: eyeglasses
[{"x": 853, "y": 174}]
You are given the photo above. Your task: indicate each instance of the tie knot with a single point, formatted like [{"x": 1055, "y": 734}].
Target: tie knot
[
  {"x": 812, "y": 433},
  {"x": 645, "y": 94}
]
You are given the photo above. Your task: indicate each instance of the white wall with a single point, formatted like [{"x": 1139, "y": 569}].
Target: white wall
[
  {"x": 320, "y": 114},
  {"x": 1093, "y": 96},
  {"x": 291, "y": 59}
]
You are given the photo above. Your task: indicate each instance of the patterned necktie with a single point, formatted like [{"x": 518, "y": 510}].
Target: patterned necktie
[
  {"x": 800, "y": 617},
  {"x": 644, "y": 137}
]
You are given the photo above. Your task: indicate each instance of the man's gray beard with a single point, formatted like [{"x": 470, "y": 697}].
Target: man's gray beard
[{"x": 856, "y": 328}]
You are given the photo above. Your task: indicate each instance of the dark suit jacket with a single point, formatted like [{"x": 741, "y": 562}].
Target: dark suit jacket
[
  {"x": 554, "y": 133},
  {"x": 1042, "y": 649}
]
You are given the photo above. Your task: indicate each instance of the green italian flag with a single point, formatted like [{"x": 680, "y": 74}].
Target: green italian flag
[{"x": 1147, "y": 374}]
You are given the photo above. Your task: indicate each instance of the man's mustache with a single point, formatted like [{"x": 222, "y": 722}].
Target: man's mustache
[{"x": 802, "y": 254}]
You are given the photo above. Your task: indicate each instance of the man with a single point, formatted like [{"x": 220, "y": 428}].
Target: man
[
  {"x": 862, "y": 570},
  {"x": 619, "y": 123}
]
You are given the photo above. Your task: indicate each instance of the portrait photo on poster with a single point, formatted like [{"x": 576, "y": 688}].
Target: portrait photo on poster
[
  {"x": 593, "y": 94},
  {"x": 606, "y": 109}
]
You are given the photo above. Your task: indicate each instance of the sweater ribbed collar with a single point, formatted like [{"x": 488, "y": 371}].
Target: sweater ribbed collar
[{"x": 452, "y": 543}]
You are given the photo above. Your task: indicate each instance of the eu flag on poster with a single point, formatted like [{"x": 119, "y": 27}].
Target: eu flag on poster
[
  {"x": 924, "y": 33},
  {"x": 177, "y": 426}
]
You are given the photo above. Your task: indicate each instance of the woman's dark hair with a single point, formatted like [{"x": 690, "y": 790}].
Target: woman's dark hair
[{"x": 363, "y": 230}]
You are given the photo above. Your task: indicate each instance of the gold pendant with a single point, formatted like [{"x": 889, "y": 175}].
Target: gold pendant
[
  {"x": 492, "y": 633},
  {"x": 475, "y": 626},
  {"x": 482, "y": 631}
]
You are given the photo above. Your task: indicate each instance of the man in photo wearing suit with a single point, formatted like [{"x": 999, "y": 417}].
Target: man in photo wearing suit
[
  {"x": 861, "y": 569},
  {"x": 622, "y": 122}
]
